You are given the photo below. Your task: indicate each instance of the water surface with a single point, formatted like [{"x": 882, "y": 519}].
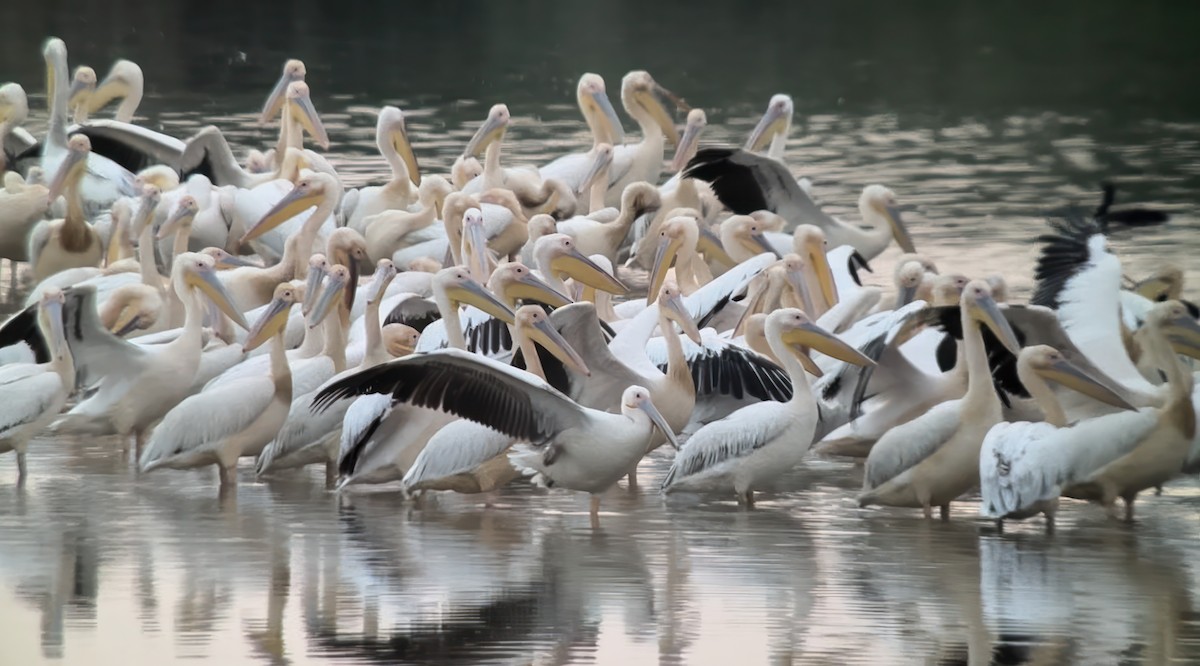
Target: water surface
[{"x": 979, "y": 117}]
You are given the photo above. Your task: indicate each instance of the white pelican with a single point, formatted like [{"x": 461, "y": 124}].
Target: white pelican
[
  {"x": 215, "y": 427},
  {"x": 933, "y": 459},
  {"x": 601, "y": 119},
  {"x": 605, "y": 237},
  {"x": 83, "y": 83},
  {"x": 14, "y": 140},
  {"x": 22, "y": 205},
  {"x": 746, "y": 182},
  {"x": 772, "y": 129},
  {"x": 569, "y": 446},
  {"x": 105, "y": 181},
  {"x": 763, "y": 441},
  {"x": 1016, "y": 461},
  {"x": 400, "y": 192},
  {"x": 468, "y": 457},
  {"x": 293, "y": 70},
  {"x": 124, "y": 81},
  {"x": 1102, "y": 458},
  {"x": 70, "y": 242},
  {"x": 33, "y": 394},
  {"x": 641, "y": 161},
  {"x": 390, "y": 231},
  {"x": 488, "y": 140},
  {"x": 138, "y": 385}
]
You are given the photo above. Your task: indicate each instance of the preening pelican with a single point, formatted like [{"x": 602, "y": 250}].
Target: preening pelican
[
  {"x": 593, "y": 236},
  {"x": 391, "y": 231},
  {"x": 601, "y": 119},
  {"x": 138, "y": 385},
  {"x": 125, "y": 82},
  {"x": 933, "y": 459},
  {"x": 763, "y": 441},
  {"x": 22, "y": 206},
  {"x": 33, "y": 394},
  {"x": 215, "y": 427},
  {"x": 70, "y": 242},
  {"x": 745, "y": 183},
  {"x": 1019, "y": 472},
  {"x": 391, "y": 136},
  {"x": 468, "y": 457}
]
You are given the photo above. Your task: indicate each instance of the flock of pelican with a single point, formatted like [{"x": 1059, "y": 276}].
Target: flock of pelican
[{"x": 207, "y": 310}]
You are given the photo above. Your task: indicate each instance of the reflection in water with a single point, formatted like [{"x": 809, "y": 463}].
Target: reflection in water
[{"x": 943, "y": 105}]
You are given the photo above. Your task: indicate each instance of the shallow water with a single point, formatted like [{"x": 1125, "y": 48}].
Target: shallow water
[{"x": 980, "y": 118}]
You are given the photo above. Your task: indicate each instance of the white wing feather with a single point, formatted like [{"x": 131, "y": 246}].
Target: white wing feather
[
  {"x": 459, "y": 447},
  {"x": 209, "y": 417},
  {"x": 908, "y": 444}
]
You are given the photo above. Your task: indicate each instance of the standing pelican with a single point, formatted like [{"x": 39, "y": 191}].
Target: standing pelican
[
  {"x": 606, "y": 128},
  {"x": 125, "y": 82},
  {"x": 933, "y": 459},
  {"x": 1015, "y": 462},
  {"x": 213, "y": 427},
  {"x": 391, "y": 136},
  {"x": 772, "y": 129},
  {"x": 70, "y": 242},
  {"x": 31, "y": 395},
  {"x": 138, "y": 385},
  {"x": 762, "y": 441},
  {"x": 641, "y": 161}
]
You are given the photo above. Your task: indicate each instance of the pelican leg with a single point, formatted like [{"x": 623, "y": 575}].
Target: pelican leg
[
  {"x": 595, "y": 512},
  {"x": 22, "y": 468},
  {"x": 228, "y": 476},
  {"x": 632, "y": 479},
  {"x": 1129, "y": 508},
  {"x": 746, "y": 499},
  {"x": 331, "y": 474},
  {"x": 139, "y": 443},
  {"x": 927, "y": 508},
  {"x": 1000, "y": 525},
  {"x": 945, "y": 512},
  {"x": 1049, "y": 523},
  {"x": 1158, "y": 490}
]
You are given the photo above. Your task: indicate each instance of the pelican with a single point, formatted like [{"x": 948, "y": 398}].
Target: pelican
[
  {"x": 1102, "y": 458},
  {"x": 138, "y": 385},
  {"x": 488, "y": 139},
  {"x": 14, "y": 140},
  {"x": 762, "y": 441},
  {"x": 593, "y": 236},
  {"x": 569, "y": 446},
  {"x": 1020, "y": 475},
  {"x": 642, "y": 161},
  {"x": 105, "y": 181},
  {"x": 125, "y": 82},
  {"x": 83, "y": 83},
  {"x": 22, "y": 205},
  {"x": 772, "y": 129},
  {"x": 293, "y": 71},
  {"x": 391, "y": 136},
  {"x": 933, "y": 459},
  {"x": 391, "y": 231},
  {"x": 468, "y": 457},
  {"x": 746, "y": 182},
  {"x": 215, "y": 427},
  {"x": 69, "y": 242},
  {"x": 33, "y": 394},
  {"x": 601, "y": 118}
]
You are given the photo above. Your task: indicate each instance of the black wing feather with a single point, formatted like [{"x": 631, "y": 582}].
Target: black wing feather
[{"x": 23, "y": 327}]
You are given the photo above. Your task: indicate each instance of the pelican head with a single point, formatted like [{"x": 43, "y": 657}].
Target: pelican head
[
  {"x": 385, "y": 272},
  {"x": 809, "y": 242},
  {"x": 908, "y": 280},
  {"x": 878, "y": 201},
  {"x": 602, "y": 156},
  {"x": 670, "y": 304},
  {"x": 198, "y": 272},
  {"x": 639, "y": 92},
  {"x": 925, "y": 261},
  {"x": 123, "y": 80},
  {"x": 798, "y": 334},
  {"x": 775, "y": 122},
  {"x": 318, "y": 266},
  {"x": 673, "y": 235},
  {"x": 293, "y": 70},
  {"x": 540, "y": 225},
  {"x": 347, "y": 247},
  {"x": 1049, "y": 364},
  {"x": 515, "y": 282},
  {"x": 1164, "y": 283},
  {"x": 462, "y": 289},
  {"x": 557, "y": 253},
  {"x": 637, "y": 398},
  {"x": 14, "y": 105},
  {"x": 982, "y": 308},
  {"x": 222, "y": 260},
  {"x": 474, "y": 243},
  {"x": 433, "y": 192},
  {"x": 391, "y": 132},
  {"x": 181, "y": 216},
  {"x": 793, "y": 275},
  {"x": 83, "y": 84},
  {"x": 746, "y": 231},
  {"x": 947, "y": 289},
  {"x": 999, "y": 287},
  {"x": 300, "y": 108},
  {"x": 50, "y": 308},
  {"x": 533, "y": 323},
  {"x": 465, "y": 169},
  {"x": 399, "y": 339},
  {"x": 309, "y": 191},
  {"x": 72, "y": 168},
  {"x": 1183, "y": 331},
  {"x": 597, "y": 110},
  {"x": 55, "y": 54},
  {"x": 490, "y": 131},
  {"x": 697, "y": 120},
  {"x": 642, "y": 198},
  {"x": 337, "y": 282},
  {"x": 147, "y": 203},
  {"x": 274, "y": 319}
]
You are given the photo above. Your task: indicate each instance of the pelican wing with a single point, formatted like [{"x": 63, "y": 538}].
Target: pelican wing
[
  {"x": 745, "y": 182},
  {"x": 363, "y": 417},
  {"x": 459, "y": 447},
  {"x": 132, "y": 146},
  {"x": 27, "y": 392},
  {"x": 98, "y": 354},
  {"x": 209, "y": 417},
  {"x": 1066, "y": 254},
  {"x": 720, "y": 367},
  {"x": 23, "y": 328},
  {"x": 732, "y": 437},
  {"x": 585, "y": 332},
  {"x": 470, "y": 387},
  {"x": 908, "y": 444}
]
